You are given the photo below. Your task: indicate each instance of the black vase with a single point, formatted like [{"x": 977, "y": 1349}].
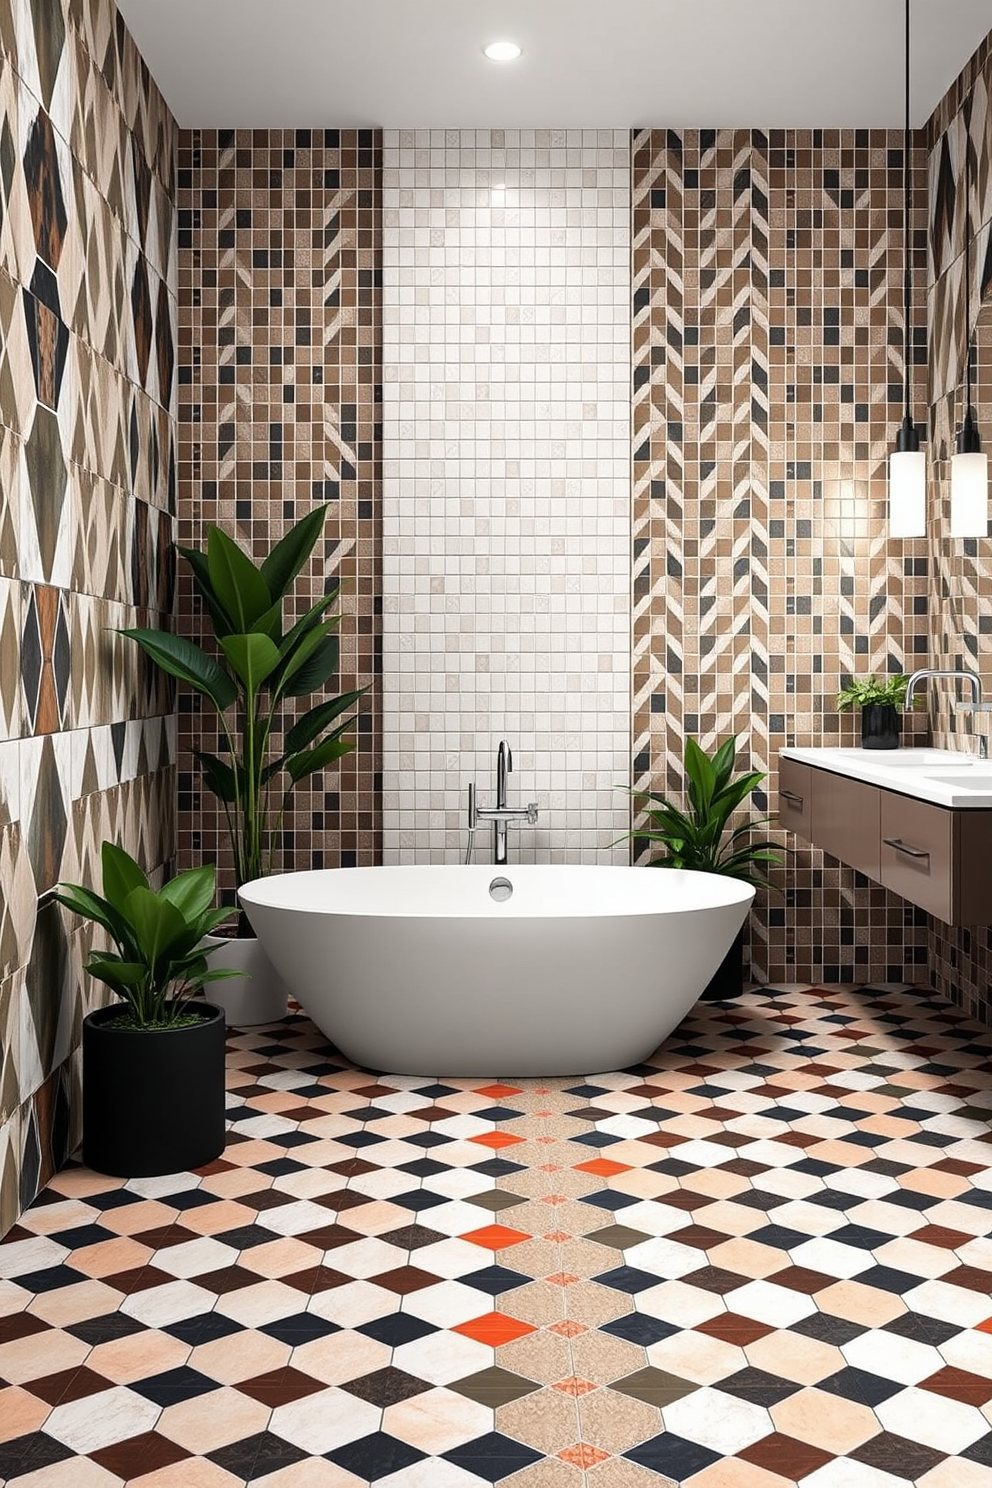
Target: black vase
[
  {"x": 880, "y": 724},
  {"x": 728, "y": 979},
  {"x": 153, "y": 1100}
]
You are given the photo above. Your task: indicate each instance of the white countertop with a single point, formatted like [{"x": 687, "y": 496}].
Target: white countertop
[{"x": 944, "y": 777}]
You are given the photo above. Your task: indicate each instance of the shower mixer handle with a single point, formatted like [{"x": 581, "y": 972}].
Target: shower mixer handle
[{"x": 501, "y": 815}]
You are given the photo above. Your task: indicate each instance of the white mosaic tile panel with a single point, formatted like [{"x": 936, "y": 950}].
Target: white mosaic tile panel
[{"x": 506, "y": 509}]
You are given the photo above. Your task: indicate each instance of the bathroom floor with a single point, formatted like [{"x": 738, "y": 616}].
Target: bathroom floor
[{"x": 760, "y": 1259}]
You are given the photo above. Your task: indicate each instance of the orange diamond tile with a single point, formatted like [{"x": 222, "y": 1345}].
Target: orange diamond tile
[
  {"x": 583, "y": 1455},
  {"x": 495, "y": 1236},
  {"x": 494, "y": 1329},
  {"x": 554, "y": 1199},
  {"x": 985, "y": 1327},
  {"x": 496, "y": 1092},
  {"x": 575, "y": 1385},
  {"x": 557, "y": 1237},
  {"x": 496, "y": 1139},
  {"x": 567, "y": 1328},
  {"x": 602, "y": 1167},
  {"x": 562, "y": 1279}
]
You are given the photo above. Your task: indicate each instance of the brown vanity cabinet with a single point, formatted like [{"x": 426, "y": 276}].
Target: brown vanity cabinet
[{"x": 937, "y": 858}]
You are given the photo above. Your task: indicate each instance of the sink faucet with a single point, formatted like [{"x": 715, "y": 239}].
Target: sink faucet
[
  {"x": 501, "y": 814},
  {"x": 959, "y": 675}
]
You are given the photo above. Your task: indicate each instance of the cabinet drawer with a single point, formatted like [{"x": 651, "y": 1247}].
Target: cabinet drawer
[
  {"x": 917, "y": 857},
  {"x": 846, "y": 816},
  {"x": 795, "y": 793}
]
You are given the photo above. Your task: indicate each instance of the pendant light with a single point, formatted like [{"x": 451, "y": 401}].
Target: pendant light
[
  {"x": 907, "y": 462},
  {"x": 969, "y": 463}
]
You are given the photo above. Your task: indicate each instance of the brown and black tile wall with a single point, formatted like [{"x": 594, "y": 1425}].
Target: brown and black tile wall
[
  {"x": 959, "y": 139},
  {"x": 768, "y": 365},
  {"x": 280, "y": 407},
  {"x": 87, "y": 491}
]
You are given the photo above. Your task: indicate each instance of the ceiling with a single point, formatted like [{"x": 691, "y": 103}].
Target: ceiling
[{"x": 606, "y": 63}]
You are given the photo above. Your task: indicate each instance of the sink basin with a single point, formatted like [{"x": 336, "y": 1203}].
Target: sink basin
[
  {"x": 909, "y": 759},
  {"x": 978, "y": 780}
]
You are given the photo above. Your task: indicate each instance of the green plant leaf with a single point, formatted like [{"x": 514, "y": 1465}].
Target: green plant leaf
[
  {"x": 218, "y": 776},
  {"x": 123, "y": 976},
  {"x": 307, "y": 728},
  {"x": 121, "y": 874},
  {"x": 90, "y": 906},
  {"x": 238, "y": 585},
  {"x": 157, "y": 923},
  {"x": 191, "y": 892},
  {"x": 188, "y": 663},
  {"x": 252, "y": 658},
  {"x": 311, "y": 671},
  {"x": 289, "y": 555},
  {"x": 312, "y": 760},
  {"x": 201, "y": 582}
]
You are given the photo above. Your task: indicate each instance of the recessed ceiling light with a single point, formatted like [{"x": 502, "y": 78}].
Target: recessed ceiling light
[{"x": 502, "y": 51}]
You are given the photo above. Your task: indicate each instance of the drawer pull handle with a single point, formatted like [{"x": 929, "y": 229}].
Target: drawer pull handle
[
  {"x": 904, "y": 847},
  {"x": 792, "y": 798}
]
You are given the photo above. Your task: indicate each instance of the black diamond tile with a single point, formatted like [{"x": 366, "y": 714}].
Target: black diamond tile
[
  {"x": 628, "y": 1279},
  {"x": 779, "y": 1236},
  {"x": 418, "y": 1199},
  {"x": 980, "y": 1451},
  {"x": 281, "y": 1167},
  {"x": 859, "y": 1385},
  {"x": 672, "y": 1456},
  {"x": 492, "y": 1457},
  {"x": 495, "y": 1280},
  {"x": 396, "y": 1329},
  {"x": 30, "y": 1454},
  {"x": 203, "y": 1328},
  {"x": 91, "y": 1234},
  {"x": 174, "y": 1385},
  {"x": 595, "y": 1139},
  {"x": 759, "y": 1198},
  {"x": 50, "y": 1279},
  {"x": 758, "y": 1386},
  {"x": 497, "y": 1167},
  {"x": 105, "y": 1329},
  {"x": 859, "y": 1236},
  {"x": 376, "y": 1456},
  {"x": 498, "y": 1113},
  {"x": 922, "y": 1329},
  {"x": 887, "y": 1279},
  {"x": 300, "y": 1328},
  {"x": 639, "y": 1328},
  {"x": 828, "y": 1329},
  {"x": 907, "y": 1198},
  {"x": 423, "y": 1167},
  {"x": 608, "y": 1198}
]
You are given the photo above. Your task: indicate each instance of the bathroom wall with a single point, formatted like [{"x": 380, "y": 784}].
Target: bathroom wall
[
  {"x": 87, "y": 488},
  {"x": 961, "y": 571},
  {"x": 279, "y": 408},
  {"x": 767, "y": 391},
  {"x": 506, "y": 495}
]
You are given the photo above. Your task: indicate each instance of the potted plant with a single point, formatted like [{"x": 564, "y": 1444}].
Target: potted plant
[
  {"x": 881, "y": 705},
  {"x": 262, "y": 663},
  {"x": 702, "y": 837},
  {"x": 153, "y": 1062}
]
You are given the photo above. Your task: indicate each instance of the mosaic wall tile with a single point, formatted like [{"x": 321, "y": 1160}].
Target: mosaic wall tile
[
  {"x": 87, "y": 488},
  {"x": 767, "y": 331},
  {"x": 960, "y": 572},
  {"x": 506, "y": 509},
  {"x": 279, "y": 385}
]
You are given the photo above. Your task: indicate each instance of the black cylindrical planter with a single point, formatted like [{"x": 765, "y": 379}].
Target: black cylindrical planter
[
  {"x": 153, "y": 1101},
  {"x": 880, "y": 724},
  {"x": 728, "y": 979}
]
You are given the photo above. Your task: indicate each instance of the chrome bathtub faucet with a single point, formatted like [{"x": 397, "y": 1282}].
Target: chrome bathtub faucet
[{"x": 501, "y": 814}]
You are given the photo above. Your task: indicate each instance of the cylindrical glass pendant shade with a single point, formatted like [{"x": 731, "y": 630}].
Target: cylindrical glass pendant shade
[
  {"x": 908, "y": 493},
  {"x": 970, "y": 494}
]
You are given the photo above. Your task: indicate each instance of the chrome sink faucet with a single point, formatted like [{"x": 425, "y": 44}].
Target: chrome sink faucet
[
  {"x": 957, "y": 675},
  {"x": 501, "y": 814}
]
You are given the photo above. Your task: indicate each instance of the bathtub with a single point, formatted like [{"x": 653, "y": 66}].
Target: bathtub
[{"x": 529, "y": 969}]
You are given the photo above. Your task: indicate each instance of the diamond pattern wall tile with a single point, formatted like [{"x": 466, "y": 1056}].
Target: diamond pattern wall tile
[
  {"x": 17, "y": 385},
  {"x": 17, "y": 248},
  {"x": 47, "y": 506},
  {"x": 12, "y": 720}
]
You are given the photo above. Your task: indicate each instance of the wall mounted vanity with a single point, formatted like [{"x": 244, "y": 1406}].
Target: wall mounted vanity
[{"x": 918, "y": 821}]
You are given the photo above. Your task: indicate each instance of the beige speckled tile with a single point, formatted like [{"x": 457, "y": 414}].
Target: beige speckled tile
[
  {"x": 619, "y": 1472},
  {"x": 603, "y": 1358},
  {"x": 541, "y": 1356},
  {"x": 547, "y": 1420},
  {"x": 617, "y": 1422}
]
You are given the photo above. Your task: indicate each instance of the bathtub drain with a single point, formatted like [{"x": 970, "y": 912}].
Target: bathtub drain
[{"x": 500, "y": 889}]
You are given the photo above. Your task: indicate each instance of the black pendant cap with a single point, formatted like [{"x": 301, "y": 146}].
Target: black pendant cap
[
  {"x": 969, "y": 441},
  {"x": 908, "y": 439}
]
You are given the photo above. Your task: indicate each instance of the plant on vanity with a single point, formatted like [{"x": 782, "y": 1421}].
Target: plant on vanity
[
  {"x": 153, "y": 1063},
  {"x": 263, "y": 662},
  {"x": 702, "y": 837},
  {"x": 881, "y": 704}
]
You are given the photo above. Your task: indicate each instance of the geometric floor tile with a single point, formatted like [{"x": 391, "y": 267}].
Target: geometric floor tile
[{"x": 763, "y": 1258}]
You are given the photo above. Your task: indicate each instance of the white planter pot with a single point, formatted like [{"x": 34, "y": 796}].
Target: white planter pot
[{"x": 256, "y": 997}]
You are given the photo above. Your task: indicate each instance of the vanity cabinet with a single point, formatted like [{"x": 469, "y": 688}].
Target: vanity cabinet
[{"x": 936, "y": 857}]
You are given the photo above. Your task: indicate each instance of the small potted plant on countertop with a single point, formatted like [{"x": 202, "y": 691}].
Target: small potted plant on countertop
[
  {"x": 153, "y": 1063},
  {"x": 881, "y": 705},
  {"x": 702, "y": 837},
  {"x": 262, "y": 663}
]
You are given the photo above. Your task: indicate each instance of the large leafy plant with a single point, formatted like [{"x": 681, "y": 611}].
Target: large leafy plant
[
  {"x": 702, "y": 836},
  {"x": 263, "y": 662},
  {"x": 159, "y": 960}
]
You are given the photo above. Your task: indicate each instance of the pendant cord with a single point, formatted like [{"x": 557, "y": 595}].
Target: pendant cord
[{"x": 907, "y": 197}]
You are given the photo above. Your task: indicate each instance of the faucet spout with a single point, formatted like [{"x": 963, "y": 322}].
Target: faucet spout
[
  {"x": 961, "y": 674},
  {"x": 504, "y": 764}
]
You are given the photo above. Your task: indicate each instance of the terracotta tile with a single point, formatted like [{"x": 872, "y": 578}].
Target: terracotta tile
[
  {"x": 20, "y": 1412},
  {"x": 785, "y": 1456}
]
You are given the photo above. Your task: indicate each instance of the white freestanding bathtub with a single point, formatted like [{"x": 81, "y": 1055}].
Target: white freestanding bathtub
[{"x": 434, "y": 971}]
